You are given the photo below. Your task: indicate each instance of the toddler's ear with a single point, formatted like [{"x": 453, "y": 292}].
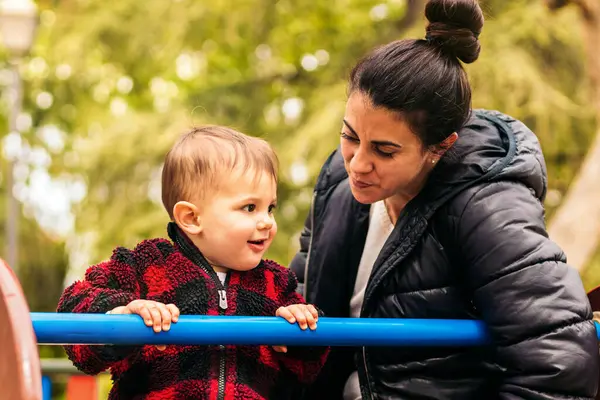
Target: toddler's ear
[{"x": 187, "y": 217}]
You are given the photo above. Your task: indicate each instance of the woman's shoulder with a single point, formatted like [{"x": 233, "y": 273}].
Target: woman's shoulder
[{"x": 487, "y": 198}]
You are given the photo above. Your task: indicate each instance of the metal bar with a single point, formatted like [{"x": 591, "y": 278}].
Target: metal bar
[{"x": 59, "y": 328}]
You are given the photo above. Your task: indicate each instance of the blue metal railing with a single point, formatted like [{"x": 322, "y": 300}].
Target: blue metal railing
[{"x": 58, "y": 328}]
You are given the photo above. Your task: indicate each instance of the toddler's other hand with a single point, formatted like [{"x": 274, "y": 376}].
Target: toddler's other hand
[{"x": 306, "y": 315}]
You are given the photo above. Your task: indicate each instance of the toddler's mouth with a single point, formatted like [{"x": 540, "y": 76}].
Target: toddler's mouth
[
  {"x": 257, "y": 246},
  {"x": 257, "y": 241}
]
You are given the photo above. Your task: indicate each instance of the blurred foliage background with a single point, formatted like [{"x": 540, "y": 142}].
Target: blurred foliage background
[{"x": 109, "y": 85}]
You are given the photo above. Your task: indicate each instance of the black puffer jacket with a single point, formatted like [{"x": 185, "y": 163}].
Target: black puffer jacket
[{"x": 471, "y": 245}]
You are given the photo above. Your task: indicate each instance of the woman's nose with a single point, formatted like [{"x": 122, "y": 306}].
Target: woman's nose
[{"x": 360, "y": 163}]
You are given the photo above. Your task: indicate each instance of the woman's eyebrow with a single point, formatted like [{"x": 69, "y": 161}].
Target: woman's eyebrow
[
  {"x": 350, "y": 127},
  {"x": 376, "y": 142},
  {"x": 385, "y": 143}
]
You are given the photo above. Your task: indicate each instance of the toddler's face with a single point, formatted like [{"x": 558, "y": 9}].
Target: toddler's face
[{"x": 238, "y": 225}]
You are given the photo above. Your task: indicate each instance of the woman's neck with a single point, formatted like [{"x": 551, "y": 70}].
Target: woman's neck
[
  {"x": 394, "y": 206},
  {"x": 396, "y": 203}
]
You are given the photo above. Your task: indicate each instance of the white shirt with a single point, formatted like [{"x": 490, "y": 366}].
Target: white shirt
[
  {"x": 380, "y": 228},
  {"x": 222, "y": 276}
]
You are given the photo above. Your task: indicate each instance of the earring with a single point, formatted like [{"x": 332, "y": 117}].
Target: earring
[{"x": 433, "y": 161}]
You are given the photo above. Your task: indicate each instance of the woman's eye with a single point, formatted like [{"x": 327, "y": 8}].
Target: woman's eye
[
  {"x": 383, "y": 153},
  {"x": 344, "y": 135},
  {"x": 249, "y": 207}
]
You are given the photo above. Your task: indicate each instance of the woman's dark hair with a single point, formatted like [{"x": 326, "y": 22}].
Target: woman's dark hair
[{"x": 423, "y": 80}]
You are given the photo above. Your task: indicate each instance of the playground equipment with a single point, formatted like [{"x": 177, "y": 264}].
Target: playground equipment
[
  {"x": 54, "y": 328},
  {"x": 20, "y": 377}
]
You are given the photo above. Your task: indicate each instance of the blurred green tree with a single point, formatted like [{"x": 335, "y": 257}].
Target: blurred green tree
[{"x": 127, "y": 77}]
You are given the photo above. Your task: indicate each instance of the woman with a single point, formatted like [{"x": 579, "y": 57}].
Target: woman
[{"x": 429, "y": 210}]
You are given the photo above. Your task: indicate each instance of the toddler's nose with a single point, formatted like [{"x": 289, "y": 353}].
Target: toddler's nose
[{"x": 265, "y": 223}]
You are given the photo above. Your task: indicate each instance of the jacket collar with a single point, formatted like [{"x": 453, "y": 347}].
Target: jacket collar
[{"x": 191, "y": 252}]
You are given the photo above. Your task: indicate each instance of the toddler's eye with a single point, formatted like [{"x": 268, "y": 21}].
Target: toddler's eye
[{"x": 249, "y": 207}]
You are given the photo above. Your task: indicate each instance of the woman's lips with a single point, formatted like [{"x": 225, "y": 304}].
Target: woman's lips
[{"x": 360, "y": 184}]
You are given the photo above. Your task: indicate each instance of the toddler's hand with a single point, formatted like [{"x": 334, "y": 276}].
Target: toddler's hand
[
  {"x": 155, "y": 314},
  {"x": 306, "y": 315}
]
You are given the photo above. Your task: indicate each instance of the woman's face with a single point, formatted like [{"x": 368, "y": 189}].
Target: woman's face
[{"x": 383, "y": 157}]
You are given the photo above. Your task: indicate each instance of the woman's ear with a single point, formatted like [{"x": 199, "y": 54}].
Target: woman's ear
[
  {"x": 187, "y": 217},
  {"x": 441, "y": 148}
]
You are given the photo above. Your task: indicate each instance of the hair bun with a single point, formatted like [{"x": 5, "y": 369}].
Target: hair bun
[{"x": 454, "y": 26}]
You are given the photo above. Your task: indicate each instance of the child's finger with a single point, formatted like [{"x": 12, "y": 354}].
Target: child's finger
[
  {"x": 156, "y": 317},
  {"x": 300, "y": 317},
  {"x": 174, "y": 312},
  {"x": 280, "y": 349},
  {"x": 144, "y": 312},
  {"x": 310, "y": 319},
  {"x": 285, "y": 313},
  {"x": 165, "y": 315},
  {"x": 313, "y": 311}
]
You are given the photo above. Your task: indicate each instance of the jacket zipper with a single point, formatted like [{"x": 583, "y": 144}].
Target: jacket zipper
[
  {"x": 222, "y": 295},
  {"x": 362, "y": 311},
  {"x": 312, "y": 230},
  {"x": 364, "y": 351},
  {"x": 222, "y": 356},
  {"x": 222, "y": 349},
  {"x": 305, "y": 291}
]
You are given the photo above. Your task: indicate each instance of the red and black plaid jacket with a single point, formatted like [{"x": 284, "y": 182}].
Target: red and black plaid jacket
[{"x": 161, "y": 271}]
